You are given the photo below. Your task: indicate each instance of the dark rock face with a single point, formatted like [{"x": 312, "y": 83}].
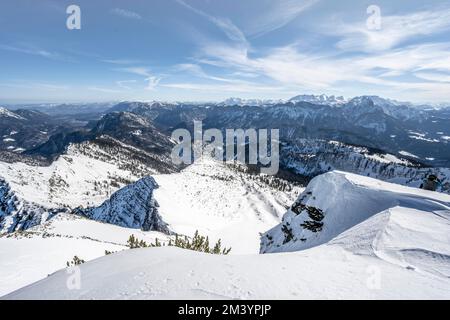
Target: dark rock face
[
  {"x": 19, "y": 215},
  {"x": 133, "y": 206}
]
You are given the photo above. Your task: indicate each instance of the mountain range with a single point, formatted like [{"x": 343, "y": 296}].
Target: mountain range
[{"x": 79, "y": 180}]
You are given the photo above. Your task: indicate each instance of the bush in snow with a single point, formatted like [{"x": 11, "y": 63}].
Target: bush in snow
[
  {"x": 198, "y": 243},
  {"x": 135, "y": 243},
  {"x": 75, "y": 262}
]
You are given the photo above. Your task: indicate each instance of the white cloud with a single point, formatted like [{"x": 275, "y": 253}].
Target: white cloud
[
  {"x": 152, "y": 83},
  {"x": 126, "y": 13},
  {"x": 433, "y": 76},
  {"x": 103, "y": 90},
  {"x": 225, "y": 24},
  {"x": 395, "y": 29},
  {"x": 141, "y": 71},
  {"x": 152, "y": 80},
  {"x": 123, "y": 84},
  {"x": 289, "y": 67},
  {"x": 33, "y": 50},
  {"x": 225, "y": 88},
  {"x": 120, "y": 61},
  {"x": 276, "y": 15}
]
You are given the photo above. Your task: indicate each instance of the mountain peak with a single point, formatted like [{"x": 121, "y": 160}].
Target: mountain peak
[
  {"x": 322, "y": 99},
  {"x": 133, "y": 206},
  {"x": 9, "y": 114}
]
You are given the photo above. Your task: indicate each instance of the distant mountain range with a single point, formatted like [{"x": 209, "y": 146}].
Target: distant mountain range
[{"x": 419, "y": 133}]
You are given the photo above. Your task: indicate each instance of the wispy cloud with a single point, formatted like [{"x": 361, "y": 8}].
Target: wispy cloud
[
  {"x": 35, "y": 85},
  {"x": 126, "y": 13},
  {"x": 33, "y": 50},
  {"x": 198, "y": 71},
  {"x": 152, "y": 80},
  {"x": 141, "y": 71},
  {"x": 103, "y": 90},
  {"x": 225, "y": 88},
  {"x": 276, "y": 15},
  {"x": 224, "y": 24},
  {"x": 124, "y": 83},
  {"x": 395, "y": 29},
  {"x": 289, "y": 67},
  {"x": 433, "y": 76},
  {"x": 120, "y": 61}
]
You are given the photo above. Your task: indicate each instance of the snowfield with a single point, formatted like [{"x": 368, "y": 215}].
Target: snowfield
[
  {"x": 31, "y": 255},
  {"x": 218, "y": 202},
  {"x": 207, "y": 196},
  {"x": 378, "y": 241},
  {"x": 328, "y": 272}
]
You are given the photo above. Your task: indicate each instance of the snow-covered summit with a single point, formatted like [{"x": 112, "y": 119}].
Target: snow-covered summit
[
  {"x": 322, "y": 99},
  {"x": 336, "y": 201},
  {"x": 393, "y": 108},
  {"x": 133, "y": 206},
  {"x": 5, "y": 113},
  {"x": 249, "y": 102}
]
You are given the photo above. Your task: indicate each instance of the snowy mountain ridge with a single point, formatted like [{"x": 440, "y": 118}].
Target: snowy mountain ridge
[
  {"x": 368, "y": 225},
  {"x": 337, "y": 201},
  {"x": 322, "y": 99},
  {"x": 312, "y": 157},
  {"x": 133, "y": 206}
]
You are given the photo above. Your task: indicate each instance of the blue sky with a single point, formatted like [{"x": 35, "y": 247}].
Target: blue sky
[{"x": 204, "y": 50}]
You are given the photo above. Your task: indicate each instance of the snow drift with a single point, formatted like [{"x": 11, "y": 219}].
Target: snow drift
[{"x": 335, "y": 202}]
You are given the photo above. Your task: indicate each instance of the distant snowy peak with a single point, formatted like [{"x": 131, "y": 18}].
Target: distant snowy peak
[
  {"x": 393, "y": 108},
  {"x": 249, "y": 102},
  {"x": 5, "y": 113},
  {"x": 133, "y": 206},
  {"x": 319, "y": 99}
]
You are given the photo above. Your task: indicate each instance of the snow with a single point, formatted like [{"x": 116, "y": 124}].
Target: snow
[
  {"x": 208, "y": 196},
  {"x": 408, "y": 154},
  {"x": 319, "y": 99},
  {"x": 72, "y": 179},
  {"x": 41, "y": 250},
  {"x": 379, "y": 241},
  {"x": 386, "y": 158},
  {"x": 423, "y": 139},
  {"x": 211, "y": 198},
  {"x": 9, "y": 114},
  {"x": 9, "y": 140},
  {"x": 346, "y": 200},
  {"x": 326, "y": 272}
]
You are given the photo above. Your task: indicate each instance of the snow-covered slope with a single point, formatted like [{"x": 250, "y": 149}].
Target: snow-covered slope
[
  {"x": 5, "y": 113},
  {"x": 378, "y": 241},
  {"x": 78, "y": 178},
  {"x": 312, "y": 157},
  {"x": 336, "y": 201},
  {"x": 220, "y": 202},
  {"x": 326, "y": 272},
  {"x": 36, "y": 252},
  {"x": 208, "y": 196}
]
